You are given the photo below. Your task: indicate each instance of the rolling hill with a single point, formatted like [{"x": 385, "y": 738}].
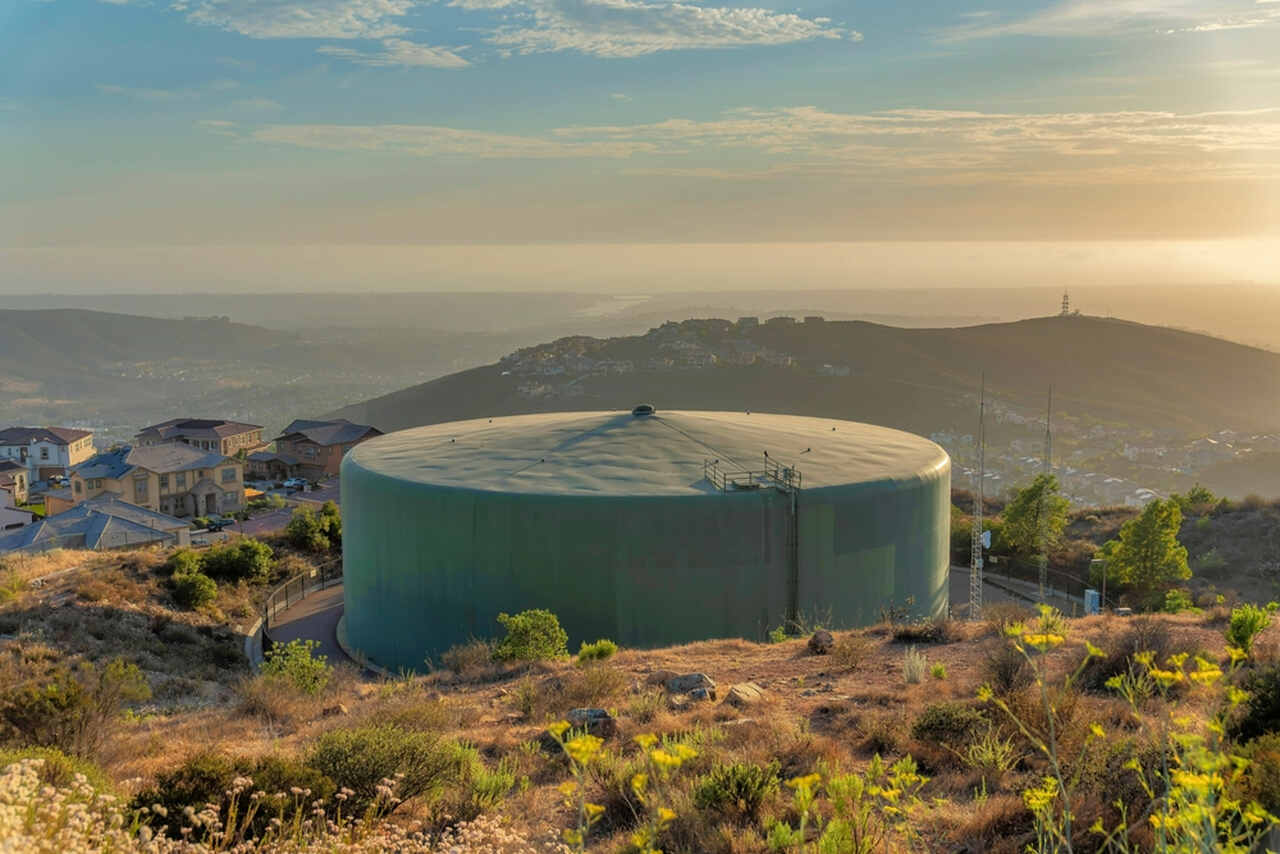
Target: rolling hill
[{"x": 1103, "y": 371}]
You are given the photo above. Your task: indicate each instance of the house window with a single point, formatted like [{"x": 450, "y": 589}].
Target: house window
[
  {"x": 44, "y": 453},
  {"x": 181, "y": 479},
  {"x": 310, "y": 452},
  {"x": 164, "y": 481},
  {"x": 140, "y": 488},
  {"x": 228, "y": 475},
  {"x": 79, "y": 485}
]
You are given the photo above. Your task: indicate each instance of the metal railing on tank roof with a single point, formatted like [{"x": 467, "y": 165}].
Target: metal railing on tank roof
[{"x": 773, "y": 474}]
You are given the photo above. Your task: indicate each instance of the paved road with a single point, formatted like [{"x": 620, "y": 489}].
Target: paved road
[
  {"x": 268, "y": 523},
  {"x": 314, "y": 618}
]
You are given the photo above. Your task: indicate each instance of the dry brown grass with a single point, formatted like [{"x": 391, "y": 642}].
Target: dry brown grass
[{"x": 820, "y": 711}]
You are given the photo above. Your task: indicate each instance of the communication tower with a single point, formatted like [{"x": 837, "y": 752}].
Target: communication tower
[
  {"x": 1066, "y": 303},
  {"x": 975, "y": 557}
]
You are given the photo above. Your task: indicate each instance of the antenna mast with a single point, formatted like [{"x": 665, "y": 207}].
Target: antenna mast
[
  {"x": 975, "y": 559},
  {"x": 1066, "y": 303}
]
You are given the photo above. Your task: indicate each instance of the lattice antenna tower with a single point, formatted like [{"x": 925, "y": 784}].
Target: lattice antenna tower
[
  {"x": 1066, "y": 303},
  {"x": 975, "y": 557}
]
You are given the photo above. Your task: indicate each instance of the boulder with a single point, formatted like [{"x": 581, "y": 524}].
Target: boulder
[
  {"x": 744, "y": 694},
  {"x": 821, "y": 642},
  {"x": 690, "y": 682},
  {"x": 597, "y": 722},
  {"x": 660, "y": 677},
  {"x": 699, "y": 695}
]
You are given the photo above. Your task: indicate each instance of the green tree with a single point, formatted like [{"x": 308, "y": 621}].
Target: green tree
[
  {"x": 316, "y": 532},
  {"x": 1147, "y": 556},
  {"x": 1036, "y": 517}
]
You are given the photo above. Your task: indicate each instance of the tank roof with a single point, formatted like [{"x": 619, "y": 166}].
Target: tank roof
[{"x": 618, "y": 454}]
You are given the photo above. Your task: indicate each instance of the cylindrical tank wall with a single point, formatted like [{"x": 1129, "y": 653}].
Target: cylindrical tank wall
[{"x": 427, "y": 567}]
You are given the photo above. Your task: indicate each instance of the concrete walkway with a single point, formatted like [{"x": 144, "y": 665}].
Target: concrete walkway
[{"x": 314, "y": 618}]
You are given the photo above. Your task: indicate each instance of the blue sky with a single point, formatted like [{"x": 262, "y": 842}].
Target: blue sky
[{"x": 210, "y": 122}]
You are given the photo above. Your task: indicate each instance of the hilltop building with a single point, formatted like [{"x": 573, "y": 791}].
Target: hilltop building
[
  {"x": 228, "y": 438},
  {"x": 310, "y": 449},
  {"x": 174, "y": 479},
  {"x": 46, "y": 451}
]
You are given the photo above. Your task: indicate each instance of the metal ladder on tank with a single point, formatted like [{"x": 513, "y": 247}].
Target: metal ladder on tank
[{"x": 787, "y": 480}]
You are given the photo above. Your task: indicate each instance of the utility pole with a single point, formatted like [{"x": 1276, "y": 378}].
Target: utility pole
[
  {"x": 975, "y": 556},
  {"x": 1043, "y": 557}
]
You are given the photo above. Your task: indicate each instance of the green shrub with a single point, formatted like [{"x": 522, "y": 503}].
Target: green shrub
[
  {"x": 246, "y": 560},
  {"x": 531, "y": 636},
  {"x": 949, "y": 724},
  {"x": 206, "y": 777},
  {"x": 315, "y": 531},
  {"x": 193, "y": 589},
  {"x": 1261, "y": 781},
  {"x": 183, "y": 562},
  {"x": 1247, "y": 622},
  {"x": 1177, "y": 600},
  {"x": 1260, "y": 713},
  {"x": 72, "y": 710},
  {"x": 298, "y": 664},
  {"x": 362, "y": 758},
  {"x": 598, "y": 651},
  {"x": 938, "y": 671},
  {"x": 737, "y": 790},
  {"x": 59, "y": 769}
]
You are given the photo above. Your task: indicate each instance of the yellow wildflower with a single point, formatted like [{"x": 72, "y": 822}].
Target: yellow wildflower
[
  {"x": 663, "y": 759},
  {"x": 1042, "y": 640},
  {"x": 665, "y": 816},
  {"x": 646, "y": 740},
  {"x": 1097, "y": 731},
  {"x": 568, "y": 787},
  {"x": 806, "y": 782},
  {"x": 559, "y": 728},
  {"x": 594, "y": 811},
  {"x": 583, "y": 748}
]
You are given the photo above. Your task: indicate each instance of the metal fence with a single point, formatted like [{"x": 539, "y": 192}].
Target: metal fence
[{"x": 298, "y": 588}]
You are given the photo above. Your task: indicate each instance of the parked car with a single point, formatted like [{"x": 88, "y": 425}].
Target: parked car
[{"x": 296, "y": 483}]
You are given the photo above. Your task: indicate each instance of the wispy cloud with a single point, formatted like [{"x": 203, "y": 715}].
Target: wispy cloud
[
  {"x": 1126, "y": 17},
  {"x": 400, "y": 52},
  {"x": 145, "y": 94},
  {"x": 434, "y": 141},
  {"x": 317, "y": 19},
  {"x": 922, "y": 146},
  {"x": 629, "y": 28}
]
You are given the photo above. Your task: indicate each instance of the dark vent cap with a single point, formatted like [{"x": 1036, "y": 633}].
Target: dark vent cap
[{"x": 643, "y": 409}]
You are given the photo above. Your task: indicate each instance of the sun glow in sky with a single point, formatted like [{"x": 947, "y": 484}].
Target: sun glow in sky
[{"x": 239, "y": 135}]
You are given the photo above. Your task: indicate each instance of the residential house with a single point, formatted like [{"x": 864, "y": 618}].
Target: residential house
[
  {"x": 104, "y": 522},
  {"x": 15, "y": 480},
  {"x": 228, "y": 438},
  {"x": 46, "y": 451},
  {"x": 11, "y": 518},
  {"x": 310, "y": 449},
  {"x": 175, "y": 479}
]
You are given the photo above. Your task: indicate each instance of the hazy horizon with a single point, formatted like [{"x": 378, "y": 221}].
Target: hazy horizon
[{"x": 643, "y": 268}]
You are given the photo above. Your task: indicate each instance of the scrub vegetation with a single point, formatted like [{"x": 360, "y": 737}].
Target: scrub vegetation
[{"x": 1024, "y": 731}]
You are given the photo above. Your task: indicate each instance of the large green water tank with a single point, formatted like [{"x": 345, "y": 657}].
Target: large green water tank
[{"x": 609, "y": 519}]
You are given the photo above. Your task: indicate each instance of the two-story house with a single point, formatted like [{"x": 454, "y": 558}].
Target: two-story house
[
  {"x": 45, "y": 451},
  {"x": 11, "y": 518},
  {"x": 310, "y": 449},
  {"x": 15, "y": 480},
  {"x": 228, "y": 438},
  {"x": 175, "y": 479}
]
